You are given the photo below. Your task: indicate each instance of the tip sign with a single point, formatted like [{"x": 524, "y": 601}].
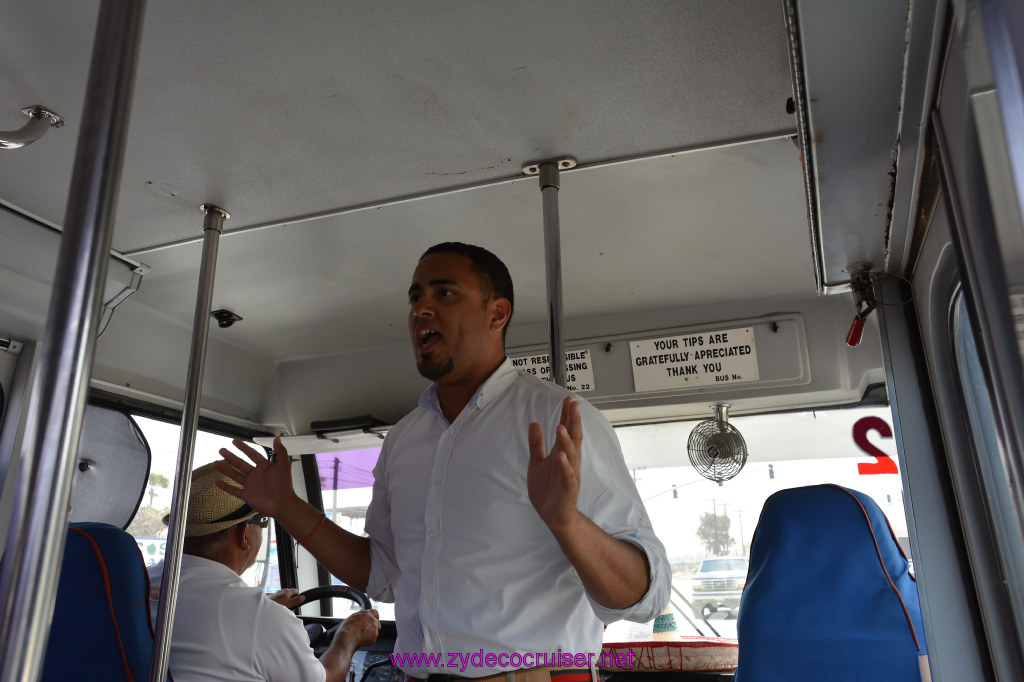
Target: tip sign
[{"x": 699, "y": 359}]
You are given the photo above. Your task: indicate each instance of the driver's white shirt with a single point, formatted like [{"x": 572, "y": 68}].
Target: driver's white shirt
[{"x": 227, "y": 630}]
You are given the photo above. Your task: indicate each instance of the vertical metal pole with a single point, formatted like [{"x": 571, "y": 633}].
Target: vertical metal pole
[
  {"x": 548, "y": 172},
  {"x": 553, "y": 270},
  {"x": 34, "y": 550},
  {"x": 213, "y": 226}
]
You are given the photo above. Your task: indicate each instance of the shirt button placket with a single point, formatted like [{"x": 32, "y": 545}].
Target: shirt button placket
[{"x": 430, "y": 569}]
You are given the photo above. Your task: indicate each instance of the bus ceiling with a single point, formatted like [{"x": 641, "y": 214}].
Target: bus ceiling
[{"x": 700, "y": 131}]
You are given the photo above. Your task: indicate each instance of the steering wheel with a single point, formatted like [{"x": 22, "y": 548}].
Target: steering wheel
[
  {"x": 321, "y": 641},
  {"x": 332, "y": 592}
]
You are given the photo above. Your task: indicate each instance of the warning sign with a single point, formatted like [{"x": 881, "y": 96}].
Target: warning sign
[
  {"x": 702, "y": 359},
  {"x": 579, "y": 371}
]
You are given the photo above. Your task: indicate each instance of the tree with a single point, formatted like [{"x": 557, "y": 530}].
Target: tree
[
  {"x": 148, "y": 523},
  {"x": 156, "y": 481},
  {"x": 713, "y": 533}
]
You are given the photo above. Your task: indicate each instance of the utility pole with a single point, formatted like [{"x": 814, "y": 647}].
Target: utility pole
[
  {"x": 714, "y": 521},
  {"x": 725, "y": 513},
  {"x": 743, "y": 547},
  {"x": 334, "y": 508}
]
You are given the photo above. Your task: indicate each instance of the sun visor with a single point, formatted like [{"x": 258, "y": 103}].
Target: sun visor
[
  {"x": 329, "y": 442},
  {"x": 112, "y": 469}
]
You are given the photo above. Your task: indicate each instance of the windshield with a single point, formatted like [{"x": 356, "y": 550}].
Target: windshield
[
  {"x": 709, "y": 565},
  {"x": 708, "y": 527},
  {"x": 148, "y": 527},
  {"x": 705, "y": 526}
]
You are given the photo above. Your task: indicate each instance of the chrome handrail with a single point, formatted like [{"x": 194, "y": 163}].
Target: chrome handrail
[{"x": 41, "y": 119}]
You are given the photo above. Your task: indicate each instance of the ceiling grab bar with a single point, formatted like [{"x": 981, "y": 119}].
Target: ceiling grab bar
[
  {"x": 31, "y": 564},
  {"x": 41, "y": 119},
  {"x": 547, "y": 171},
  {"x": 213, "y": 227}
]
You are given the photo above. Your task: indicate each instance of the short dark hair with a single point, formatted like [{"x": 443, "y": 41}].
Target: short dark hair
[
  {"x": 492, "y": 272},
  {"x": 208, "y": 546}
]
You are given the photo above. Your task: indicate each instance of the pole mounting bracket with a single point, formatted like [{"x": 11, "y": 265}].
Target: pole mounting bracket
[{"x": 562, "y": 162}]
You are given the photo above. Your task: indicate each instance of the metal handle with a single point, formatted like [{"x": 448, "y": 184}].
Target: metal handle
[{"x": 41, "y": 119}]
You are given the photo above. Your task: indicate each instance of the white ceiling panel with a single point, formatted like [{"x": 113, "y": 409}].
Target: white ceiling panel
[
  {"x": 275, "y": 110},
  {"x": 689, "y": 221}
]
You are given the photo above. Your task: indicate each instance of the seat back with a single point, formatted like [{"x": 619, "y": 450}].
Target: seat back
[
  {"x": 101, "y": 627},
  {"x": 828, "y": 594}
]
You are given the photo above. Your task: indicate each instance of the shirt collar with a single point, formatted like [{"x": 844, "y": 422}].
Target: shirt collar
[
  {"x": 191, "y": 561},
  {"x": 494, "y": 386}
]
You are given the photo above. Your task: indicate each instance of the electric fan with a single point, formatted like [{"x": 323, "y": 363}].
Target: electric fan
[{"x": 716, "y": 448}]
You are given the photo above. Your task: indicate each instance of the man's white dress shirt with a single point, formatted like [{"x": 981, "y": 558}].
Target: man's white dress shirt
[
  {"x": 227, "y": 630},
  {"x": 459, "y": 548}
]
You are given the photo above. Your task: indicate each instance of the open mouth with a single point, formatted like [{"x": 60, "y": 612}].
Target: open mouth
[{"x": 426, "y": 340}]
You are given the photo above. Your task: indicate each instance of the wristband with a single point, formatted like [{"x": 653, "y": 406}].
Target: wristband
[{"x": 312, "y": 532}]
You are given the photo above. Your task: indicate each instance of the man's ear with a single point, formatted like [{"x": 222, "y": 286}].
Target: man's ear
[
  {"x": 240, "y": 536},
  {"x": 501, "y": 309}
]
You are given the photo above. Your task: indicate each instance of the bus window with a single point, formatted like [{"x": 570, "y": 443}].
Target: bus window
[
  {"x": 148, "y": 528},
  {"x": 707, "y": 527},
  {"x": 972, "y": 381},
  {"x": 990, "y": 449},
  {"x": 346, "y": 483}
]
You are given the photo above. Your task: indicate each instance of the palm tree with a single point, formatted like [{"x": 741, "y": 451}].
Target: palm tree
[{"x": 156, "y": 481}]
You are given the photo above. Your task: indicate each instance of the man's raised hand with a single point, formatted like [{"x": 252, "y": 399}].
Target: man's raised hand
[
  {"x": 553, "y": 479},
  {"x": 264, "y": 485}
]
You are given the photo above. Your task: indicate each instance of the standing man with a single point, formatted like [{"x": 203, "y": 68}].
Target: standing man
[
  {"x": 503, "y": 517},
  {"x": 227, "y": 630}
]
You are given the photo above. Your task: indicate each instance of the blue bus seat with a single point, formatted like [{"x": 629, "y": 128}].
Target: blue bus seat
[
  {"x": 101, "y": 627},
  {"x": 829, "y": 595}
]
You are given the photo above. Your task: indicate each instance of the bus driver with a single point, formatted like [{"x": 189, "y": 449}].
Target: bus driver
[{"x": 227, "y": 630}]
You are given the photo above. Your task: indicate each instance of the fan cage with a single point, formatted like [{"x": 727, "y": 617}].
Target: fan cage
[{"x": 717, "y": 450}]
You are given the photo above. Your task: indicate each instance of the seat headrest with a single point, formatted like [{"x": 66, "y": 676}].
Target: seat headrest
[
  {"x": 101, "y": 626},
  {"x": 828, "y": 591}
]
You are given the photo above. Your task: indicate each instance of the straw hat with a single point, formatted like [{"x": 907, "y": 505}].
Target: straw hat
[{"x": 210, "y": 509}]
